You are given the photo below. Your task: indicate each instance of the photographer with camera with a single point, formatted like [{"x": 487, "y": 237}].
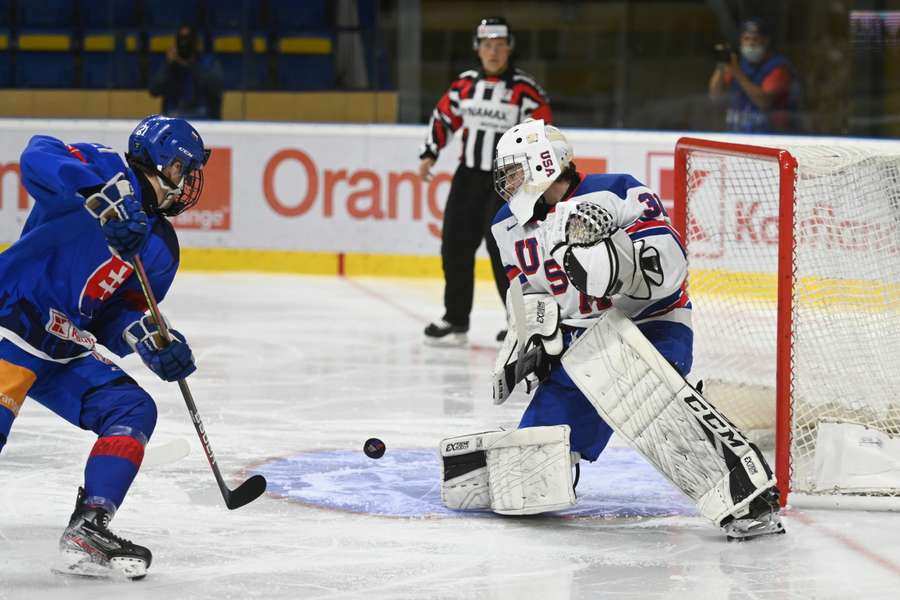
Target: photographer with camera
[
  {"x": 190, "y": 84},
  {"x": 759, "y": 83}
]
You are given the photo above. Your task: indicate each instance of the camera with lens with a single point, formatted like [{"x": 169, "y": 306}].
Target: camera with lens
[{"x": 722, "y": 53}]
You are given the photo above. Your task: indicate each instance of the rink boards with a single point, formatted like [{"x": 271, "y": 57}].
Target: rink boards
[{"x": 325, "y": 199}]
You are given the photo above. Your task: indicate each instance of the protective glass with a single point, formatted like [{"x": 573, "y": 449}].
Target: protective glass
[{"x": 511, "y": 172}]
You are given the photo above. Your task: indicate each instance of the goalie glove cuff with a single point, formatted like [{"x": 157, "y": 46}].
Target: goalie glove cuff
[{"x": 542, "y": 322}]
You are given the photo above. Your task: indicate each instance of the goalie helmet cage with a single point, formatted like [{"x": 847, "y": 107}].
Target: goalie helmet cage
[{"x": 794, "y": 273}]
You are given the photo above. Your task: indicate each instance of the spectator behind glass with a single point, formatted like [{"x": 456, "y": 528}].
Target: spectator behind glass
[
  {"x": 190, "y": 84},
  {"x": 760, "y": 84}
]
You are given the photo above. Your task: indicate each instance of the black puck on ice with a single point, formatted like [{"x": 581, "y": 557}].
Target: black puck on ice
[{"x": 374, "y": 448}]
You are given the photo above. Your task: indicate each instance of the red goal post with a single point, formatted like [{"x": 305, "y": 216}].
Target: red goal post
[{"x": 744, "y": 212}]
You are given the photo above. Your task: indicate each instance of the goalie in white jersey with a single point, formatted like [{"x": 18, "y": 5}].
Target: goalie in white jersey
[{"x": 601, "y": 321}]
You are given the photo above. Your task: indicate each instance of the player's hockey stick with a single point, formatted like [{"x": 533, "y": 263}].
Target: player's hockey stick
[{"x": 251, "y": 489}]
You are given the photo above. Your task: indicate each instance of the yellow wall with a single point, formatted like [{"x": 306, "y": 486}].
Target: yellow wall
[{"x": 337, "y": 107}]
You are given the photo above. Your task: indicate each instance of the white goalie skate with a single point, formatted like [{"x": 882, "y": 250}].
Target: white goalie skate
[{"x": 762, "y": 519}]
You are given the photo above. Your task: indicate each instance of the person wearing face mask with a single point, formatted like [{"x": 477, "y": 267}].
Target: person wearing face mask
[
  {"x": 481, "y": 104},
  {"x": 190, "y": 84},
  {"x": 759, "y": 84}
]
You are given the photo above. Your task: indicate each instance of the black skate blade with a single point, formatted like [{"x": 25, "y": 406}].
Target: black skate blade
[{"x": 246, "y": 493}]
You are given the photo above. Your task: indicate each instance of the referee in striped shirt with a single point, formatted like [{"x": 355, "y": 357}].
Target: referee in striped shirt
[{"x": 483, "y": 104}]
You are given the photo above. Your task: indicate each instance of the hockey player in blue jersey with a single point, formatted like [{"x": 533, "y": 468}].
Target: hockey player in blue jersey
[
  {"x": 603, "y": 336},
  {"x": 67, "y": 285}
]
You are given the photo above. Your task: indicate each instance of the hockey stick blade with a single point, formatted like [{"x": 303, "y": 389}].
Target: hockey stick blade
[{"x": 246, "y": 493}]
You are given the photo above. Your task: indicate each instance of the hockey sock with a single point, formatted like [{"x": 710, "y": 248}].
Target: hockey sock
[{"x": 112, "y": 466}]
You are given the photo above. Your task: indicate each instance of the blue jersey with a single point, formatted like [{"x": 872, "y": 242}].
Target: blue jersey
[{"x": 61, "y": 289}]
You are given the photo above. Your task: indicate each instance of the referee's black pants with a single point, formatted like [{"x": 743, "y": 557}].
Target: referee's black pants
[{"x": 468, "y": 215}]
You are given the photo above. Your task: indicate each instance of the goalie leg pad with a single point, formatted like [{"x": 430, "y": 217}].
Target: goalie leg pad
[
  {"x": 519, "y": 472},
  {"x": 530, "y": 471},
  {"x": 645, "y": 400},
  {"x": 464, "y": 474}
]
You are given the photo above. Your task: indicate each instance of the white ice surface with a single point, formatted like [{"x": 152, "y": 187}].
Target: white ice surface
[{"x": 291, "y": 365}]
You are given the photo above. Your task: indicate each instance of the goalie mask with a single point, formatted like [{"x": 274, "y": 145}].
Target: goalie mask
[
  {"x": 530, "y": 157},
  {"x": 171, "y": 150}
]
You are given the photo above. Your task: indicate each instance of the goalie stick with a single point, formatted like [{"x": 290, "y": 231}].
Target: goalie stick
[{"x": 252, "y": 488}]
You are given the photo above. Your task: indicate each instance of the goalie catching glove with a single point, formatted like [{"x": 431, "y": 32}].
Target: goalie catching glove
[
  {"x": 170, "y": 361},
  {"x": 599, "y": 258},
  {"x": 543, "y": 341}
]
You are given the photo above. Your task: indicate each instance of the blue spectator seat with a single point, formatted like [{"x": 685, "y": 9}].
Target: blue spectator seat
[
  {"x": 169, "y": 14},
  {"x": 108, "y": 14},
  {"x": 110, "y": 61},
  {"x": 5, "y": 13},
  {"x": 5, "y": 61},
  {"x": 294, "y": 15},
  {"x": 244, "y": 66},
  {"x": 127, "y": 61},
  {"x": 305, "y": 62},
  {"x": 234, "y": 15},
  {"x": 45, "y": 60},
  {"x": 97, "y": 59},
  {"x": 46, "y": 14}
]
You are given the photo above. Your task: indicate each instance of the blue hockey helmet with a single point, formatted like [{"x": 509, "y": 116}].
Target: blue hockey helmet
[{"x": 156, "y": 144}]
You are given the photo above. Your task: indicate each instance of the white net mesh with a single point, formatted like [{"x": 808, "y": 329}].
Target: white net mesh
[{"x": 846, "y": 295}]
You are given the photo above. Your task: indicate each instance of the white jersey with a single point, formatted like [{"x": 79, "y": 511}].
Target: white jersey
[{"x": 637, "y": 210}]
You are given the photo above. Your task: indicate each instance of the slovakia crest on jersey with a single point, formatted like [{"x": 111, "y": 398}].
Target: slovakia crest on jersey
[{"x": 102, "y": 284}]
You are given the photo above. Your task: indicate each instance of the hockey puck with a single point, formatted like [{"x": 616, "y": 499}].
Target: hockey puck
[{"x": 374, "y": 448}]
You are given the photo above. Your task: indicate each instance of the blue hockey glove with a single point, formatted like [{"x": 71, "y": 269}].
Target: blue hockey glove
[
  {"x": 170, "y": 362},
  {"x": 121, "y": 217}
]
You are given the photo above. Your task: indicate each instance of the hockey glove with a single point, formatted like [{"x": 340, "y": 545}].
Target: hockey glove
[
  {"x": 543, "y": 341},
  {"x": 121, "y": 217},
  {"x": 576, "y": 224},
  {"x": 172, "y": 361}
]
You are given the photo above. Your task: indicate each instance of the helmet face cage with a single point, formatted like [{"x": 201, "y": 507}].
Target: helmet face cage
[
  {"x": 511, "y": 173},
  {"x": 188, "y": 193}
]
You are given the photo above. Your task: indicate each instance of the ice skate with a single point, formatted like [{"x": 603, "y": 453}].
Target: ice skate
[
  {"x": 88, "y": 548},
  {"x": 763, "y": 519},
  {"x": 443, "y": 333}
]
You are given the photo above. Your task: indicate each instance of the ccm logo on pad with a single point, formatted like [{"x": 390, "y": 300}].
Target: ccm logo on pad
[{"x": 706, "y": 414}]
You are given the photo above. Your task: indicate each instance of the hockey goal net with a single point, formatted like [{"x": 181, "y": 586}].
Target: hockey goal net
[{"x": 794, "y": 275}]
